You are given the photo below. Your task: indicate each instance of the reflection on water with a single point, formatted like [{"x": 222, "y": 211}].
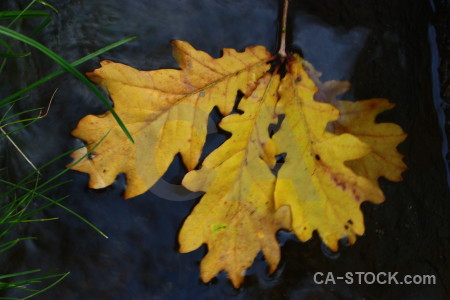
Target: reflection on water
[
  {"x": 382, "y": 47},
  {"x": 438, "y": 102},
  {"x": 332, "y": 50}
]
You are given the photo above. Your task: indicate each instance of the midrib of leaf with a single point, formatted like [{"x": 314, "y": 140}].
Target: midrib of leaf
[
  {"x": 242, "y": 166},
  {"x": 198, "y": 91},
  {"x": 311, "y": 147},
  {"x": 302, "y": 109},
  {"x": 308, "y": 130}
]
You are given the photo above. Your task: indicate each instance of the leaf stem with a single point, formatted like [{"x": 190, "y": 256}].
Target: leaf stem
[{"x": 282, "y": 50}]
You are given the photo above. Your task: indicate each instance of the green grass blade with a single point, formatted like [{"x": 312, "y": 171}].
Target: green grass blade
[
  {"x": 32, "y": 220},
  {"x": 7, "y": 117},
  {"x": 19, "y": 128},
  {"x": 21, "y": 13},
  {"x": 12, "y": 55},
  {"x": 36, "y": 210},
  {"x": 18, "y": 209},
  {"x": 19, "y": 186},
  {"x": 74, "y": 163},
  {"x": 57, "y": 204},
  {"x": 69, "y": 68},
  {"x": 21, "y": 121},
  {"x": 42, "y": 25},
  {"x": 19, "y": 274},
  {"x": 20, "y": 284},
  {"x": 50, "y": 286},
  {"x": 6, "y": 246},
  {"x": 24, "y": 180},
  {"x": 59, "y": 72},
  {"x": 11, "y": 51},
  {"x": 48, "y": 5},
  {"x": 4, "y": 15}
]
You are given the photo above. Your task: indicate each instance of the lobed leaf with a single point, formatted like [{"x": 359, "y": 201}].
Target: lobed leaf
[
  {"x": 236, "y": 217},
  {"x": 334, "y": 151},
  {"x": 359, "y": 119},
  {"x": 165, "y": 110},
  {"x": 323, "y": 193}
]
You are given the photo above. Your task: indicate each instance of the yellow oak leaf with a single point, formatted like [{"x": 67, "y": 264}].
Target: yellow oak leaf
[
  {"x": 236, "y": 217},
  {"x": 166, "y": 112},
  {"x": 334, "y": 151},
  {"x": 358, "y": 119},
  {"x": 323, "y": 193}
]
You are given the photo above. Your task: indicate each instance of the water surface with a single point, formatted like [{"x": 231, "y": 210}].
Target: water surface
[{"x": 385, "y": 48}]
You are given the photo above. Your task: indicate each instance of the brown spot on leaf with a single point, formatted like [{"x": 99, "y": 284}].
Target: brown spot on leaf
[{"x": 340, "y": 183}]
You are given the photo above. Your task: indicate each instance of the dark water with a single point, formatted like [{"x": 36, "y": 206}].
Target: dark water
[{"x": 385, "y": 48}]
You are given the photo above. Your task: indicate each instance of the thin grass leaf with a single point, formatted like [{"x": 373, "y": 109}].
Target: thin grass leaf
[
  {"x": 75, "y": 162},
  {"x": 59, "y": 157},
  {"x": 11, "y": 51},
  {"x": 41, "y": 26},
  {"x": 42, "y": 191},
  {"x": 19, "y": 274},
  {"x": 40, "y": 208},
  {"x": 6, "y": 246},
  {"x": 34, "y": 220},
  {"x": 19, "y": 208},
  {"x": 27, "y": 122},
  {"x": 61, "y": 206},
  {"x": 22, "y": 182},
  {"x": 59, "y": 72},
  {"x": 14, "y": 209},
  {"x": 25, "y": 181},
  {"x": 13, "y": 101},
  {"x": 31, "y": 121},
  {"x": 20, "y": 284},
  {"x": 50, "y": 286},
  {"x": 48, "y": 5},
  {"x": 7, "y": 117},
  {"x": 20, "y": 187},
  {"x": 69, "y": 68},
  {"x": 4, "y": 15},
  {"x": 36, "y": 210},
  {"x": 21, "y": 13},
  {"x": 7, "y": 112},
  {"x": 21, "y": 201},
  {"x": 31, "y": 213},
  {"x": 18, "y": 215},
  {"x": 12, "y": 55}
]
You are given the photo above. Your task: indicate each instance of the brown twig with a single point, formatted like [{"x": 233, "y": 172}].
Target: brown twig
[
  {"x": 48, "y": 106},
  {"x": 282, "y": 50}
]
